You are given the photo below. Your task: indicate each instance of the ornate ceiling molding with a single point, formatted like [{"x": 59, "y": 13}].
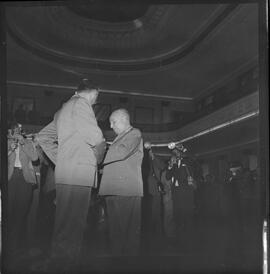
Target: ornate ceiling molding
[
  {"x": 65, "y": 16},
  {"x": 92, "y": 33},
  {"x": 118, "y": 35}
]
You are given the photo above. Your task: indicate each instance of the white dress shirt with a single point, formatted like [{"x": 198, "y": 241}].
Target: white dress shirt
[{"x": 17, "y": 159}]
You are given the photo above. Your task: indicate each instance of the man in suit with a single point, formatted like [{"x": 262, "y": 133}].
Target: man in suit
[
  {"x": 23, "y": 185},
  {"x": 183, "y": 186},
  {"x": 154, "y": 191},
  {"x": 161, "y": 224},
  {"x": 75, "y": 143},
  {"x": 122, "y": 185}
]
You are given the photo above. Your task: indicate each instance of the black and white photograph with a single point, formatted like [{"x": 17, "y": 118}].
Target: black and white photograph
[{"x": 134, "y": 137}]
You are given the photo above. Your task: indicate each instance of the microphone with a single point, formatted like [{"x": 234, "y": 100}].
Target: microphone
[{"x": 171, "y": 145}]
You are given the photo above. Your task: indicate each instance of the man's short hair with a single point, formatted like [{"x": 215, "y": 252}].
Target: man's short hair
[
  {"x": 12, "y": 125},
  {"x": 85, "y": 84},
  {"x": 121, "y": 112}
]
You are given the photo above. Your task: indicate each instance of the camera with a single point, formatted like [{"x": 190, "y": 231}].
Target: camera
[
  {"x": 179, "y": 146},
  {"x": 17, "y": 134}
]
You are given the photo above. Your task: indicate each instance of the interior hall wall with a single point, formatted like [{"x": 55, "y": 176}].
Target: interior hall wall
[{"x": 48, "y": 100}]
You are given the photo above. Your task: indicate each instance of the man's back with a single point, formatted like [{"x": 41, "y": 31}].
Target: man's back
[{"x": 78, "y": 133}]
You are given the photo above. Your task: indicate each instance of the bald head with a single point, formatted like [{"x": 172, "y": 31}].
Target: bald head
[
  {"x": 121, "y": 113},
  {"x": 120, "y": 120}
]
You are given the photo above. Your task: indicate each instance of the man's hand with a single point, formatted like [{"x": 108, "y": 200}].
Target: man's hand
[
  {"x": 151, "y": 154},
  {"x": 172, "y": 161},
  {"x": 100, "y": 171},
  {"x": 13, "y": 145},
  {"x": 19, "y": 137},
  {"x": 161, "y": 188}
]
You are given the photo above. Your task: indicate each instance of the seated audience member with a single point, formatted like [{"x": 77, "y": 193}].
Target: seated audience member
[{"x": 122, "y": 185}]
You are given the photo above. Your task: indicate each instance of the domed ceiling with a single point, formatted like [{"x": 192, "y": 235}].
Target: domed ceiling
[
  {"x": 180, "y": 50},
  {"x": 111, "y": 13}
]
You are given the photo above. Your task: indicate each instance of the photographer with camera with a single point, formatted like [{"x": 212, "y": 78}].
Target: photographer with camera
[
  {"x": 23, "y": 164},
  {"x": 181, "y": 173}
]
